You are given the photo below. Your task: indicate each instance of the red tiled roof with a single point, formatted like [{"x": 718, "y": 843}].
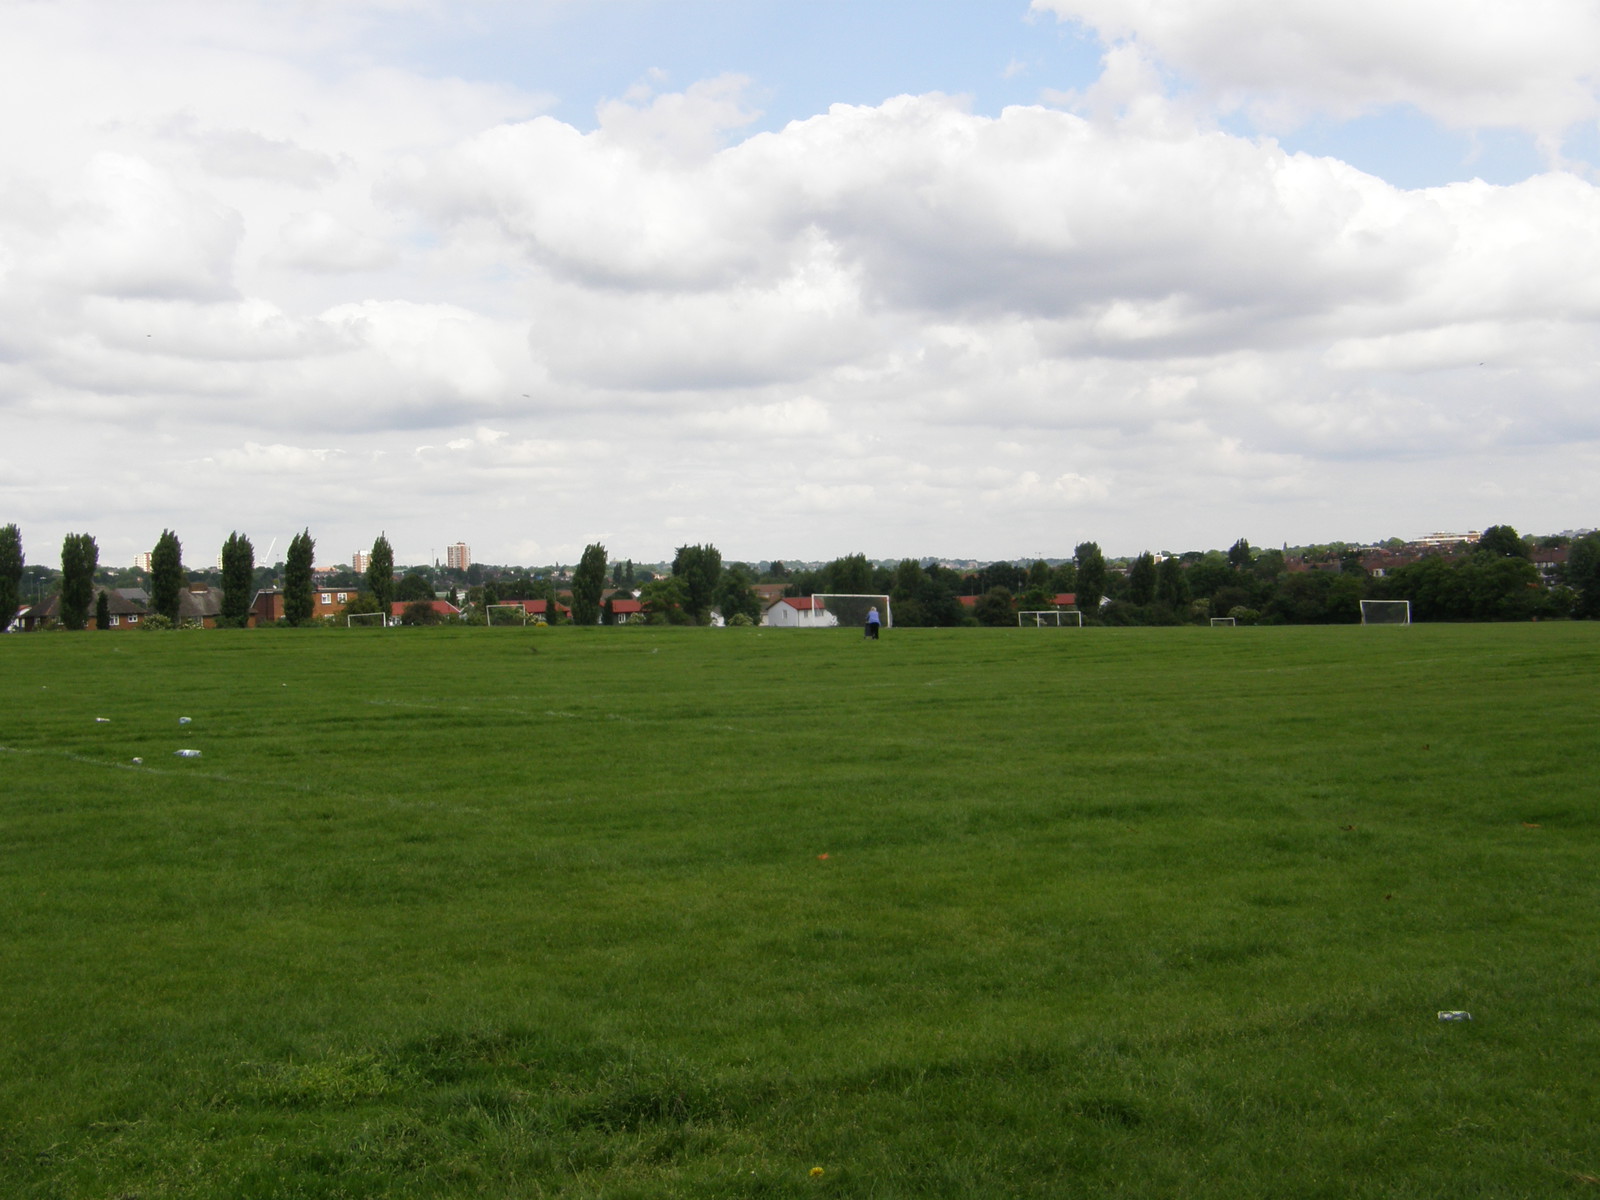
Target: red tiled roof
[{"x": 444, "y": 608}]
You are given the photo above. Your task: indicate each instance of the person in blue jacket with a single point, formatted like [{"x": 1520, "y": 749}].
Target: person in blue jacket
[{"x": 873, "y": 623}]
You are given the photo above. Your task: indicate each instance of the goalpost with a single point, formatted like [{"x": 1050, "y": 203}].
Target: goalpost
[
  {"x": 366, "y": 619},
  {"x": 1386, "y": 612},
  {"x": 849, "y": 608},
  {"x": 1050, "y": 618},
  {"x": 1223, "y": 621},
  {"x": 520, "y": 610}
]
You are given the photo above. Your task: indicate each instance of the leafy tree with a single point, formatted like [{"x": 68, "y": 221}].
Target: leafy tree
[
  {"x": 79, "y": 557},
  {"x": 1209, "y": 574},
  {"x": 735, "y": 597},
  {"x": 363, "y": 602},
  {"x": 238, "y": 578},
  {"x": 1172, "y": 584},
  {"x": 102, "y": 610},
  {"x": 700, "y": 568},
  {"x": 665, "y": 601},
  {"x": 10, "y": 574},
  {"x": 994, "y": 607},
  {"x": 1091, "y": 576},
  {"x": 1239, "y": 556},
  {"x": 415, "y": 586},
  {"x": 1064, "y": 579},
  {"x": 1142, "y": 579},
  {"x": 1501, "y": 541},
  {"x": 852, "y": 573},
  {"x": 297, "y": 592},
  {"x": 419, "y": 612},
  {"x": 908, "y": 581},
  {"x": 1270, "y": 565},
  {"x": 1002, "y": 575},
  {"x": 588, "y": 581},
  {"x": 1583, "y": 575},
  {"x": 166, "y": 575},
  {"x": 380, "y": 572}
]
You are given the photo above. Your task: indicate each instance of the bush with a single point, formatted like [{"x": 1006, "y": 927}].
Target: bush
[{"x": 155, "y": 621}]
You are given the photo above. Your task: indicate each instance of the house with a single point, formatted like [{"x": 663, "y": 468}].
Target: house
[
  {"x": 1065, "y": 600},
  {"x": 539, "y": 610},
  {"x": 1549, "y": 561},
  {"x": 122, "y": 613},
  {"x": 625, "y": 611},
  {"x": 200, "y": 603},
  {"x": 798, "y": 612},
  {"x": 266, "y": 607}
]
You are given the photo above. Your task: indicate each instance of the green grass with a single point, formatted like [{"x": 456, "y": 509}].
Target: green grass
[{"x": 643, "y": 913}]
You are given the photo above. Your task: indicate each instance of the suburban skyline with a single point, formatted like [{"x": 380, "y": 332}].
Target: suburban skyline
[{"x": 960, "y": 280}]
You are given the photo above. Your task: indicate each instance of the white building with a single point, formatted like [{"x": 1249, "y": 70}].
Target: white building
[
  {"x": 798, "y": 612},
  {"x": 359, "y": 561}
]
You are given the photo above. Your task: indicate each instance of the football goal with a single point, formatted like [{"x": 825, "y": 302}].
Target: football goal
[
  {"x": 375, "y": 618},
  {"x": 1050, "y": 618},
  {"x": 1223, "y": 621},
  {"x": 849, "y": 609},
  {"x": 1386, "y": 612},
  {"x": 514, "y": 614}
]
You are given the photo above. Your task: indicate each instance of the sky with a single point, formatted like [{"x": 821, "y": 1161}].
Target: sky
[{"x": 798, "y": 278}]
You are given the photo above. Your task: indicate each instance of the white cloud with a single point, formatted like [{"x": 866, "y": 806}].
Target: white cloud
[
  {"x": 234, "y": 251},
  {"x": 1468, "y": 63}
]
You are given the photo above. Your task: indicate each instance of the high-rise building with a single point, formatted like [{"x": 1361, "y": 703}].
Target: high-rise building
[
  {"x": 141, "y": 562},
  {"x": 359, "y": 560},
  {"x": 458, "y": 557}
]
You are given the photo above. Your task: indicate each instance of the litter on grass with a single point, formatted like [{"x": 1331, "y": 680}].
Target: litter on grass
[
  {"x": 184, "y": 720},
  {"x": 186, "y": 753},
  {"x": 102, "y": 720},
  {"x": 1455, "y": 1015}
]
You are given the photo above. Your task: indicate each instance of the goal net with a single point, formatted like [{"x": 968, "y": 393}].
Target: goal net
[
  {"x": 353, "y": 619},
  {"x": 1049, "y": 618},
  {"x": 511, "y": 614},
  {"x": 1386, "y": 612},
  {"x": 849, "y": 609},
  {"x": 1223, "y": 621}
]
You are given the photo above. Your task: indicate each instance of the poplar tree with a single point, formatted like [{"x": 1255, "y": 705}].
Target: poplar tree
[
  {"x": 297, "y": 600},
  {"x": 380, "y": 572},
  {"x": 10, "y": 573},
  {"x": 1091, "y": 577},
  {"x": 166, "y": 575},
  {"x": 1142, "y": 579},
  {"x": 238, "y": 578},
  {"x": 588, "y": 581},
  {"x": 79, "y": 557}
]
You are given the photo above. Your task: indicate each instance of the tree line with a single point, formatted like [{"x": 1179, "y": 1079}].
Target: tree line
[{"x": 1494, "y": 579}]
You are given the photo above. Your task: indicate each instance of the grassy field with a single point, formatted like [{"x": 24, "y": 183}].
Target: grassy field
[{"x": 700, "y": 913}]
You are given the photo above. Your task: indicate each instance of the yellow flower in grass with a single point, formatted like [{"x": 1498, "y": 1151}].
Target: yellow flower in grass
[{"x": 816, "y": 1172}]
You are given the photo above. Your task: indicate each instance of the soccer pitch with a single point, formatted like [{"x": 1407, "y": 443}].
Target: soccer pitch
[{"x": 694, "y": 912}]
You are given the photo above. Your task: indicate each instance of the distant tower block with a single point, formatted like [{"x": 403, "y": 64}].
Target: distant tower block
[
  {"x": 141, "y": 562},
  {"x": 458, "y": 557},
  {"x": 359, "y": 561}
]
